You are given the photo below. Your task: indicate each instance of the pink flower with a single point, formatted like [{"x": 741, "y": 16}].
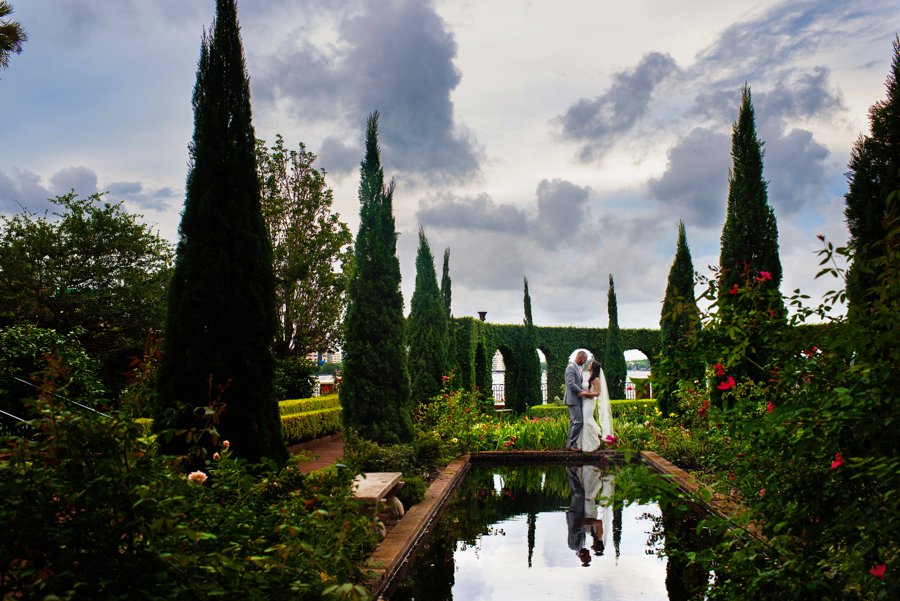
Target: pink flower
[
  {"x": 838, "y": 461},
  {"x": 720, "y": 369},
  {"x": 610, "y": 439},
  {"x": 763, "y": 276},
  {"x": 762, "y": 491},
  {"x": 879, "y": 570},
  {"x": 216, "y": 456},
  {"x": 734, "y": 289},
  {"x": 198, "y": 477},
  {"x": 445, "y": 378},
  {"x": 704, "y": 408},
  {"x": 729, "y": 383},
  {"x": 769, "y": 407},
  {"x": 226, "y": 444}
]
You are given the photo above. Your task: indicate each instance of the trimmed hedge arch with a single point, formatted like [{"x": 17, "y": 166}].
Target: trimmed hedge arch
[{"x": 477, "y": 341}]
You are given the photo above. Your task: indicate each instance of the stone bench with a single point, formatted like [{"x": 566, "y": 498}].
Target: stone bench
[{"x": 379, "y": 487}]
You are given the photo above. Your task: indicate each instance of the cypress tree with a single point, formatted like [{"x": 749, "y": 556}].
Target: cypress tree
[
  {"x": 221, "y": 320},
  {"x": 749, "y": 249},
  {"x": 679, "y": 324},
  {"x": 614, "y": 354},
  {"x": 427, "y": 329},
  {"x": 526, "y": 377},
  {"x": 375, "y": 391},
  {"x": 874, "y": 176},
  {"x": 446, "y": 294}
]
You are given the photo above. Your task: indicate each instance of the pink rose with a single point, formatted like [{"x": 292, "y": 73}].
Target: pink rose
[
  {"x": 198, "y": 477},
  {"x": 216, "y": 456},
  {"x": 226, "y": 444}
]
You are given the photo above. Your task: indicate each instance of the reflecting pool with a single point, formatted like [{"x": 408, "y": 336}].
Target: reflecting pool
[{"x": 540, "y": 532}]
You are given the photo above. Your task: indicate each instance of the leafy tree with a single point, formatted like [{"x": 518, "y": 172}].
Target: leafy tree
[
  {"x": 221, "y": 314},
  {"x": 427, "y": 329},
  {"x": 526, "y": 377},
  {"x": 311, "y": 248},
  {"x": 90, "y": 265},
  {"x": 614, "y": 367},
  {"x": 375, "y": 393},
  {"x": 749, "y": 252},
  {"x": 12, "y": 36},
  {"x": 874, "y": 179},
  {"x": 679, "y": 323}
]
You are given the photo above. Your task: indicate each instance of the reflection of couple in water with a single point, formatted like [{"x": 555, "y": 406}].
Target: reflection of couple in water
[{"x": 587, "y": 483}]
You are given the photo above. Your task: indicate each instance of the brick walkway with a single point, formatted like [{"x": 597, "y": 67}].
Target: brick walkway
[{"x": 326, "y": 451}]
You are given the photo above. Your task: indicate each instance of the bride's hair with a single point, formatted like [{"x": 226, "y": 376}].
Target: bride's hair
[{"x": 595, "y": 372}]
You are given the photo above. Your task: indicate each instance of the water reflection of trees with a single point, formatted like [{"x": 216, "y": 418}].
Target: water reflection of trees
[{"x": 489, "y": 496}]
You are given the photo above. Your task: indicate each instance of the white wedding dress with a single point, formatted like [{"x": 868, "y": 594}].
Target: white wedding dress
[{"x": 596, "y": 429}]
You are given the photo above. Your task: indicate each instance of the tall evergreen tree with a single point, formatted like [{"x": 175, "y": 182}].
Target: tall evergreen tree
[
  {"x": 221, "y": 307},
  {"x": 446, "y": 294},
  {"x": 749, "y": 252},
  {"x": 679, "y": 322},
  {"x": 614, "y": 354},
  {"x": 427, "y": 329},
  {"x": 874, "y": 176},
  {"x": 375, "y": 392},
  {"x": 526, "y": 377}
]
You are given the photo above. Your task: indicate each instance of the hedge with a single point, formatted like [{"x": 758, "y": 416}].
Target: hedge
[
  {"x": 311, "y": 424},
  {"x": 622, "y": 408},
  {"x": 293, "y": 406}
]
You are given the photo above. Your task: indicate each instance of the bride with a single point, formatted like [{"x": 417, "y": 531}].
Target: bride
[{"x": 593, "y": 432}]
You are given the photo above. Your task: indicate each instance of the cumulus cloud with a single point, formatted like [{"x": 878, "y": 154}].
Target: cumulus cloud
[
  {"x": 476, "y": 213},
  {"x": 695, "y": 184},
  {"x": 394, "y": 57},
  {"x": 154, "y": 199},
  {"x": 596, "y": 123},
  {"x": 23, "y": 189},
  {"x": 80, "y": 179},
  {"x": 339, "y": 158},
  {"x": 561, "y": 212}
]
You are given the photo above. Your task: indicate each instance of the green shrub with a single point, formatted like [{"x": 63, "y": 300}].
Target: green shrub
[
  {"x": 88, "y": 507},
  {"x": 304, "y": 405},
  {"x": 366, "y": 455},
  {"x": 412, "y": 491},
  {"x": 312, "y": 424},
  {"x": 294, "y": 378},
  {"x": 547, "y": 410}
]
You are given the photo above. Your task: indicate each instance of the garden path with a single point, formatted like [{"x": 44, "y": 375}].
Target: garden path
[{"x": 325, "y": 451}]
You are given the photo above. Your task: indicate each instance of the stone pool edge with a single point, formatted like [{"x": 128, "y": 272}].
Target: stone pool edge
[{"x": 398, "y": 547}]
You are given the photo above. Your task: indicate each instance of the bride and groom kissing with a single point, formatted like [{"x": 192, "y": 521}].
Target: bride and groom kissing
[{"x": 585, "y": 433}]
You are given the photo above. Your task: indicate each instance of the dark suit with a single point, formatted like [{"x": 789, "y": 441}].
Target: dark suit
[{"x": 574, "y": 402}]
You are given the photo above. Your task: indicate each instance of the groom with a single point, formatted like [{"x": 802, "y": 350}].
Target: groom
[{"x": 573, "y": 400}]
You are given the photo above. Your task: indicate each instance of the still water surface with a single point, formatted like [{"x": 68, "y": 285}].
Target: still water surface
[{"x": 539, "y": 532}]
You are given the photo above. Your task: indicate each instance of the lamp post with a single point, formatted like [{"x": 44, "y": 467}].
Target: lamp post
[{"x": 482, "y": 315}]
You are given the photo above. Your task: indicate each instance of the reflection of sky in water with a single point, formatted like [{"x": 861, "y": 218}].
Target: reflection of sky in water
[{"x": 497, "y": 567}]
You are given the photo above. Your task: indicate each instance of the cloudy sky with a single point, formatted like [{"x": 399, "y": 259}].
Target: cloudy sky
[{"x": 559, "y": 140}]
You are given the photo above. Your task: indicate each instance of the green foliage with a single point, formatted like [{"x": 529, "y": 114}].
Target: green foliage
[
  {"x": 679, "y": 323},
  {"x": 525, "y": 390},
  {"x": 375, "y": 392},
  {"x": 89, "y": 265},
  {"x": 749, "y": 243},
  {"x": 614, "y": 349},
  {"x": 810, "y": 452},
  {"x": 873, "y": 177},
  {"x": 12, "y": 35},
  {"x": 328, "y": 401},
  {"x": 221, "y": 309},
  {"x": 428, "y": 329},
  {"x": 297, "y": 427},
  {"x": 446, "y": 297},
  {"x": 311, "y": 249},
  {"x": 88, "y": 507},
  {"x": 294, "y": 377},
  {"x": 28, "y": 351},
  {"x": 412, "y": 491}
]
